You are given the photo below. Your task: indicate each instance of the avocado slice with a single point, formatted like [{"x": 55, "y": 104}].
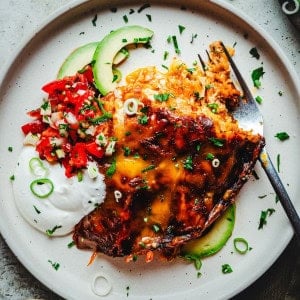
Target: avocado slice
[
  {"x": 107, "y": 50},
  {"x": 83, "y": 56},
  {"x": 78, "y": 59},
  {"x": 214, "y": 239}
]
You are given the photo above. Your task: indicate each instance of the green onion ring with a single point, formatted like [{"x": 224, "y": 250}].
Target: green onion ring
[
  {"x": 37, "y": 167},
  {"x": 41, "y": 181},
  {"x": 236, "y": 241}
]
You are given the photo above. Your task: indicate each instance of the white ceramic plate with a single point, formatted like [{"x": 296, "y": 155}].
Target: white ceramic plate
[{"x": 38, "y": 62}]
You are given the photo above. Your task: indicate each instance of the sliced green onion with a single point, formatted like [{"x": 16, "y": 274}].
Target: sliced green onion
[
  {"x": 240, "y": 245},
  {"x": 37, "y": 167},
  {"x": 42, "y": 187},
  {"x": 131, "y": 106}
]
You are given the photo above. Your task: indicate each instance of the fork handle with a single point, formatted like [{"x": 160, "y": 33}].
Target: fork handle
[{"x": 281, "y": 192}]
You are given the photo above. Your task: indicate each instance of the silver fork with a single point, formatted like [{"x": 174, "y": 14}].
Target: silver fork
[{"x": 249, "y": 117}]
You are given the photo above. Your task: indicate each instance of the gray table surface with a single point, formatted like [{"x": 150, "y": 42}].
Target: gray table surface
[{"x": 18, "y": 18}]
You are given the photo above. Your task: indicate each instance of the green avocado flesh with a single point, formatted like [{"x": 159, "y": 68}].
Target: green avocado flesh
[
  {"x": 107, "y": 50},
  {"x": 214, "y": 239},
  {"x": 83, "y": 56},
  {"x": 78, "y": 59}
]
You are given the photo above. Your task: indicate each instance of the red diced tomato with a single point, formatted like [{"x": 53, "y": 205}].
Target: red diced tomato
[
  {"x": 78, "y": 156},
  {"x": 45, "y": 149},
  {"x": 94, "y": 149},
  {"x": 34, "y": 127},
  {"x": 54, "y": 86},
  {"x": 36, "y": 113}
]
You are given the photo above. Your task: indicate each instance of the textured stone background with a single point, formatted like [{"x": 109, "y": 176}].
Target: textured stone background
[{"x": 18, "y": 18}]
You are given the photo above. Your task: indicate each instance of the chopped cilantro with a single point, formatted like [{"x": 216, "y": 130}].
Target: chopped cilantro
[
  {"x": 175, "y": 44},
  {"x": 193, "y": 37},
  {"x": 94, "y": 20},
  {"x": 263, "y": 217},
  {"x": 226, "y": 269},
  {"x": 162, "y": 97},
  {"x": 188, "y": 163},
  {"x": 195, "y": 259},
  {"x": 127, "y": 151},
  {"x": 55, "y": 265},
  {"x": 282, "y": 136},
  {"x": 125, "y": 18},
  {"x": 278, "y": 163},
  {"x": 259, "y": 99},
  {"x": 143, "y": 120},
  {"x": 112, "y": 168},
  {"x": 144, "y": 6},
  {"x": 209, "y": 156},
  {"x": 12, "y": 177},
  {"x": 256, "y": 75},
  {"x": 50, "y": 232},
  {"x": 217, "y": 142},
  {"x": 213, "y": 107},
  {"x": 71, "y": 244},
  {"x": 156, "y": 228},
  {"x": 254, "y": 53},
  {"x": 150, "y": 167},
  {"x": 36, "y": 209},
  {"x": 10, "y": 148},
  {"x": 280, "y": 93},
  {"x": 181, "y": 29},
  {"x": 166, "y": 54}
]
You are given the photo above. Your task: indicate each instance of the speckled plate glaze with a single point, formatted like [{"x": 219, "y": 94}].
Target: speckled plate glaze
[
  {"x": 38, "y": 61},
  {"x": 292, "y": 9}
]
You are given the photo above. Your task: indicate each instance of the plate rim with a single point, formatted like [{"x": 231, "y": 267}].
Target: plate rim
[{"x": 67, "y": 8}]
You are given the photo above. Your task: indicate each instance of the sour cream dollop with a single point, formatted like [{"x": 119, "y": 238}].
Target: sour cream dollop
[{"x": 69, "y": 201}]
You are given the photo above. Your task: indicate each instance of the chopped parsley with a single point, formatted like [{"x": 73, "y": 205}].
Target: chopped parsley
[
  {"x": 10, "y": 148},
  {"x": 226, "y": 269},
  {"x": 256, "y": 75},
  {"x": 12, "y": 177},
  {"x": 263, "y": 217},
  {"x": 280, "y": 93},
  {"x": 282, "y": 136},
  {"x": 254, "y": 53}
]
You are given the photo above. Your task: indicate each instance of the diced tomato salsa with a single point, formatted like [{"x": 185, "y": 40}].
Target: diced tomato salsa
[{"x": 65, "y": 122}]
